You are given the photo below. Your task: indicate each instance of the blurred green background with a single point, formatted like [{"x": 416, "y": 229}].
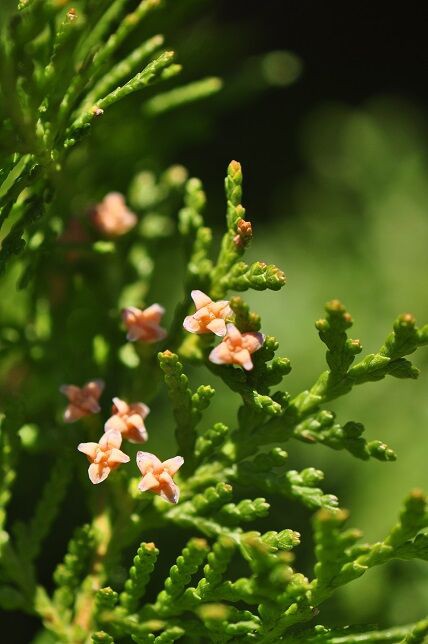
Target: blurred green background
[{"x": 325, "y": 111}]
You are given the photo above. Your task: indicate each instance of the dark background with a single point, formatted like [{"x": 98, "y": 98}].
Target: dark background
[{"x": 350, "y": 52}]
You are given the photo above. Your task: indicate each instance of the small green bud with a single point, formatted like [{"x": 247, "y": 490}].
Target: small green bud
[
  {"x": 101, "y": 637},
  {"x": 234, "y": 183},
  {"x": 104, "y": 247},
  {"x": 29, "y": 435}
]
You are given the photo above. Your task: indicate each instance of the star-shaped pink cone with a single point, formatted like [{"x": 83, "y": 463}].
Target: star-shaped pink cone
[
  {"x": 104, "y": 456},
  {"x": 209, "y": 316},
  {"x": 82, "y": 400},
  {"x": 128, "y": 420},
  {"x": 157, "y": 476},
  {"x": 237, "y": 348},
  {"x": 144, "y": 324},
  {"x": 112, "y": 217}
]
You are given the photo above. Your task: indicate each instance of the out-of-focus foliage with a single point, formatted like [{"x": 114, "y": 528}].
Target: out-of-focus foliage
[
  {"x": 357, "y": 227},
  {"x": 356, "y": 231},
  {"x": 58, "y": 75}
]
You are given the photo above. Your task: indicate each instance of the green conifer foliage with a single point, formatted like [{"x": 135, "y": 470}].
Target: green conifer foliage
[{"x": 230, "y": 578}]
